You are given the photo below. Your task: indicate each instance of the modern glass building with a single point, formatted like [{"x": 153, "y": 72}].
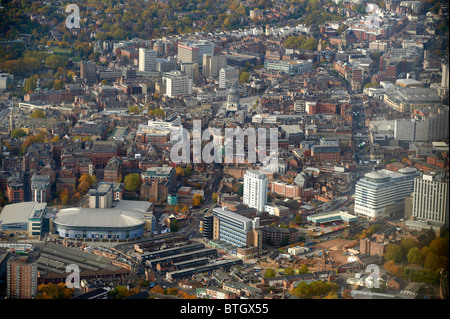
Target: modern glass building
[
  {"x": 232, "y": 228},
  {"x": 382, "y": 193}
]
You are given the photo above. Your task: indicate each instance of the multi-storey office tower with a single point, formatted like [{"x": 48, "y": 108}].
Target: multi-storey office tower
[
  {"x": 228, "y": 77},
  {"x": 213, "y": 64},
  {"x": 147, "y": 60},
  {"x": 234, "y": 229},
  {"x": 177, "y": 83},
  {"x": 255, "y": 190},
  {"x": 382, "y": 193},
  {"x": 430, "y": 198}
]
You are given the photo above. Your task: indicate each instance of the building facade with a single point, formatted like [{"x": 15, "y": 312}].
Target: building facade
[
  {"x": 430, "y": 198},
  {"x": 382, "y": 193},
  {"x": 255, "y": 190},
  {"x": 21, "y": 278},
  {"x": 147, "y": 60},
  {"x": 234, "y": 229}
]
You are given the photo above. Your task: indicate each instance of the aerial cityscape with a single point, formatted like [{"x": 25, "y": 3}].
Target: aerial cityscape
[{"x": 222, "y": 149}]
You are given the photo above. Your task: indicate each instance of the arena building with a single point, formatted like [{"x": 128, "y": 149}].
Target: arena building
[{"x": 99, "y": 223}]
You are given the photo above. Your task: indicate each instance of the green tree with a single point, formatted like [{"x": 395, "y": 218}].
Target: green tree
[
  {"x": 434, "y": 262},
  {"x": 30, "y": 84},
  {"x": 174, "y": 225},
  {"x": 119, "y": 292},
  {"x": 197, "y": 200},
  {"x": 289, "y": 271},
  {"x": 393, "y": 252},
  {"x": 415, "y": 256},
  {"x": 244, "y": 77},
  {"x": 18, "y": 133},
  {"x": 214, "y": 197},
  {"x": 406, "y": 244},
  {"x": 37, "y": 114},
  {"x": 132, "y": 182},
  {"x": 310, "y": 44},
  {"x": 55, "y": 61},
  {"x": 303, "y": 269},
  {"x": 269, "y": 273},
  {"x": 439, "y": 246},
  {"x": 134, "y": 109}
]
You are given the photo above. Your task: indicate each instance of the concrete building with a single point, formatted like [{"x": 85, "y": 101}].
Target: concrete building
[
  {"x": 177, "y": 83},
  {"x": 88, "y": 71},
  {"x": 255, "y": 190},
  {"x": 21, "y": 278},
  {"x": 147, "y": 60},
  {"x": 190, "y": 69},
  {"x": 193, "y": 51},
  {"x": 382, "y": 193},
  {"x": 412, "y": 130},
  {"x": 228, "y": 77},
  {"x": 445, "y": 75},
  {"x": 408, "y": 99},
  {"x": 430, "y": 199},
  {"x": 213, "y": 64},
  {"x": 40, "y": 188},
  {"x": 5, "y": 80},
  {"x": 101, "y": 197},
  {"x": 164, "y": 65}
]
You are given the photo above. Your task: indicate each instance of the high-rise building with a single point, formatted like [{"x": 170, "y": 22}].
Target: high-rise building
[
  {"x": 445, "y": 75},
  {"x": 382, "y": 193},
  {"x": 255, "y": 190},
  {"x": 21, "y": 278},
  {"x": 438, "y": 127},
  {"x": 213, "y": 64},
  {"x": 177, "y": 83},
  {"x": 228, "y": 77},
  {"x": 147, "y": 60},
  {"x": 190, "y": 69},
  {"x": 88, "y": 71},
  {"x": 193, "y": 51},
  {"x": 430, "y": 198},
  {"x": 187, "y": 54},
  {"x": 235, "y": 229}
]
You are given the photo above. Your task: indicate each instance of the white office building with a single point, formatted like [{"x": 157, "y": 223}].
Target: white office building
[
  {"x": 382, "y": 193},
  {"x": 430, "y": 199},
  {"x": 147, "y": 60},
  {"x": 255, "y": 190},
  {"x": 431, "y": 126},
  {"x": 228, "y": 77},
  {"x": 177, "y": 83}
]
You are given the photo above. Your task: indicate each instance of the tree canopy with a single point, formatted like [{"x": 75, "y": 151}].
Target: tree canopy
[{"x": 132, "y": 182}]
